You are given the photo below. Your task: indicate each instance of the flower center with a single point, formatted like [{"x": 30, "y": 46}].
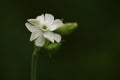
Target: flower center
[{"x": 44, "y": 28}]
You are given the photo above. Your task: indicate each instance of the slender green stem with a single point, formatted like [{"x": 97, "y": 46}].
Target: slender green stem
[{"x": 34, "y": 63}]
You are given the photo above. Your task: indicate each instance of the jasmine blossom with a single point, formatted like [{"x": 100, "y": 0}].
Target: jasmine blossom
[{"x": 42, "y": 28}]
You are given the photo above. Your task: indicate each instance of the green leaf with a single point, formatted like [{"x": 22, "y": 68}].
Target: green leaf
[{"x": 67, "y": 28}]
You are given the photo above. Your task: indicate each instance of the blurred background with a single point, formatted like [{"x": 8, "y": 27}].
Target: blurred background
[{"x": 90, "y": 53}]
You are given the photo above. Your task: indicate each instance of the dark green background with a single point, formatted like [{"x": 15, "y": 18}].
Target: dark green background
[{"x": 92, "y": 52}]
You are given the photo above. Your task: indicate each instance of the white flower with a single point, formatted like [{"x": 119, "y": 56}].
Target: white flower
[{"x": 42, "y": 28}]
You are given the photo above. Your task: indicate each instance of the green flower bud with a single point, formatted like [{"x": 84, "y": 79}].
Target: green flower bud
[
  {"x": 52, "y": 47},
  {"x": 67, "y": 28}
]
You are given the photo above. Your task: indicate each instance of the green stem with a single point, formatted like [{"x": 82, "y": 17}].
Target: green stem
[{"x": 34, "y": 63}]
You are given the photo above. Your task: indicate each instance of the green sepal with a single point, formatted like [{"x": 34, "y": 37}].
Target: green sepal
[{"x": 67, "y": 28}]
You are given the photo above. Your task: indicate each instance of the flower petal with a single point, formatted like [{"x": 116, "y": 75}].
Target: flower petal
[
  {"x": 31, "y": 28},
  {"x": 49, "y": 18},
  {"x": 40, "y": 41},
  {"x": 57, "y": 37},
  {"x": 34, "y": 22},
  {"x": 56, "y": 24},
  {"x": 35, "y": 35},
  {"x": 41, "y": 19},
  {"x": 52, "y": 36}
]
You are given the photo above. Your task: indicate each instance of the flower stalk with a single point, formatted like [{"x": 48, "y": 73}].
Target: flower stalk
[{"x": 34, "y": 63}]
